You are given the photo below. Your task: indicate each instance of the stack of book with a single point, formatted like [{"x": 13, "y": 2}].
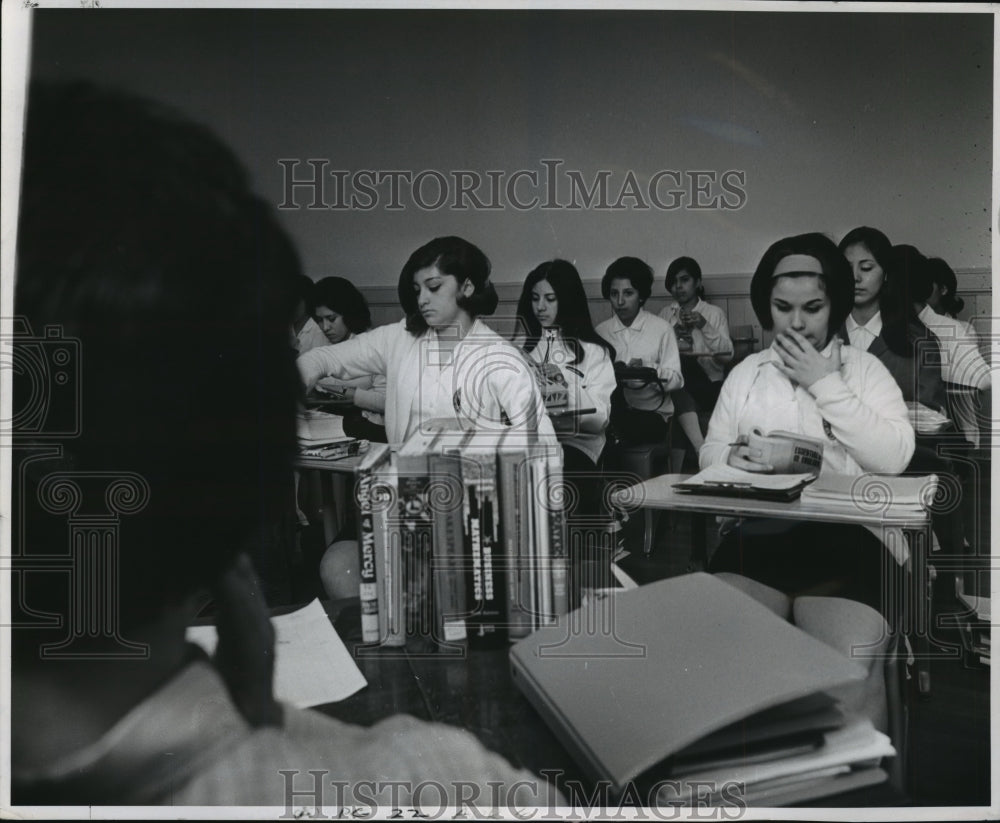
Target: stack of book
[
  {"x": 873, "y": 492},
  {"x": 462, "y": 538},
  {"x": 321, "y": 435},
  {"x": 695, "y": 690}
]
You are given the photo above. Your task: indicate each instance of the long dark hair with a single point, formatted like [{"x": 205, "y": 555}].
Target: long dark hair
[
  {"x": 897, "y": 312},
  {"x": 574, "y": 313}
]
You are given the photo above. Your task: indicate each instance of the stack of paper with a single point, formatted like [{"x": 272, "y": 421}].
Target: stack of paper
[{"x": 873, "y": 492}]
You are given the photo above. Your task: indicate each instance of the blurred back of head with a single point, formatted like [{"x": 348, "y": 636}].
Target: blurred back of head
[{"x": 139, "y": 236}]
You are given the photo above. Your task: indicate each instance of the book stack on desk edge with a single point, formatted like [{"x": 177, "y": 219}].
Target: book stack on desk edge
[
  {"x": 697, "y": 684},
  {"x": 722, "y": 479},
  {"x": 873, "y": 492},
  {"x": 462, "y": 538},
  {"x": 314, "y": 426},
  {"x": 334, "y": 449}
]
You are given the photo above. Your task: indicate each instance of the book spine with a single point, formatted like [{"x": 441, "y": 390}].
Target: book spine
[
  {"x": 492, "y": 629},
  {"x": 368, "y": 577},
  {"x": 388, "y": 557},
  {"x": 416, "y": 535},
  {"x": 448, "y": 549},
  {"x": 527, "y": 564},
  {"x": 513, "y": 521},
  {"x": 558, "y": 538},
  {"x": 487, "y": 610}
]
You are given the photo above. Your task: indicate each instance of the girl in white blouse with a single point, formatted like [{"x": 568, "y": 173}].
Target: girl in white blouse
[
  {"x": 809, "y": 382},
  {"x": 640, "y": 410},
  {"x": 441, "y": 361},
  {"x": 557, "y": 334}
]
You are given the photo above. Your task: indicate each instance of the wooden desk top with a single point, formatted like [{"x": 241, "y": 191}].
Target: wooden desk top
[{"x": 658, "y": 493}]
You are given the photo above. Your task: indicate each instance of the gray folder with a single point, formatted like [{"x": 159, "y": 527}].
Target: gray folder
[{"x": 632, "y": 678}]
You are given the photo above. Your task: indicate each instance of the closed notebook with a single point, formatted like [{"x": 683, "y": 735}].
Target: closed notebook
[
  {"x": 627, "y": 685},
  {"x": 721, "y": 479}
]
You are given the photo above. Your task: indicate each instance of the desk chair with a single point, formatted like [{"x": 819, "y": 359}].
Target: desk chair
[
  {"x": 643, "y": 460},
  {"x": 861, "y": 633},
  {"x": 744, "y": 342}
]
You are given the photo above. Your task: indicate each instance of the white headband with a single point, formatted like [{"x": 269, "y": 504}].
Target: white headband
[{"x": 797, "y": 264}]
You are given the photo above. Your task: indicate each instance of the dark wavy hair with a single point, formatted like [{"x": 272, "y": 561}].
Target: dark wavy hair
[
  {"x": 463, "y": 261},
  {"x": 574, "y": 313},
  {"x": 341, "y": 296},
  {"x": 943, "y": 275},
  {"x": 897, "y": 313},
  {"x": 636, "y": 271},
  {"x": 836, "y": 277},
  {"x": 138, "y": 231},
  {"x": 688, "y": 264}
]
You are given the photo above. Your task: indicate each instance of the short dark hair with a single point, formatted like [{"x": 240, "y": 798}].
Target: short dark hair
[
  {"x": 140, "y": 237},
  {"x": 574, "y": 311},
  {"x": 944, "y": 276},
  {"x": 836, "y": 277},
  {"x": 463, "y": 261},
  {"x": 636, "y": 271},
  {"x": 340, "y": 295},
  {"x": 688, "y": 264}
]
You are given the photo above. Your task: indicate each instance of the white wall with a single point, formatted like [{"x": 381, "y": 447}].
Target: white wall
[{"x": 837, "y": 120}]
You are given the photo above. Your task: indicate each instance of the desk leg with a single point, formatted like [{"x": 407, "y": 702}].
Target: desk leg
[
  {"x": 328, "y": 508},
  {"x": 699, "y": 541},
  {"x": 917, "y": 606}
]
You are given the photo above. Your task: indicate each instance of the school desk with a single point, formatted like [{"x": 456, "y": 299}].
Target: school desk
[{"x": 912, "y": 607}]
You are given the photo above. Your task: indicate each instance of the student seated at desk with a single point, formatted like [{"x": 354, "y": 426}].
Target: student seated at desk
[
  {"x": 441, "y": 361},
  {"x": 964, "y": 370},
  {"x": 884, "y": 323},
  {"x": 705, "y": 346},
  {"x": 808, "y": 382},
  {"x": 98, "y": 719},
  {"x": 558, "y": 335},
  {"x": 640, "y": 410},
  {"x": 305, "y": 333},
  {"x": 341, "y": 312}
]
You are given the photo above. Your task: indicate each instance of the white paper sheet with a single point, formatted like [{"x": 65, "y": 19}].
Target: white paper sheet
[{"x": 312, "y": 665}]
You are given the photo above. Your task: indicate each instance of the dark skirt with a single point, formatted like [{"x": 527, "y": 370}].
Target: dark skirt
[{"x": 836, "y": 559}]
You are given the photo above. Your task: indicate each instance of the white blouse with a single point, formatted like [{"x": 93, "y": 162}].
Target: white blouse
[{"x": 867, "y": 423}]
